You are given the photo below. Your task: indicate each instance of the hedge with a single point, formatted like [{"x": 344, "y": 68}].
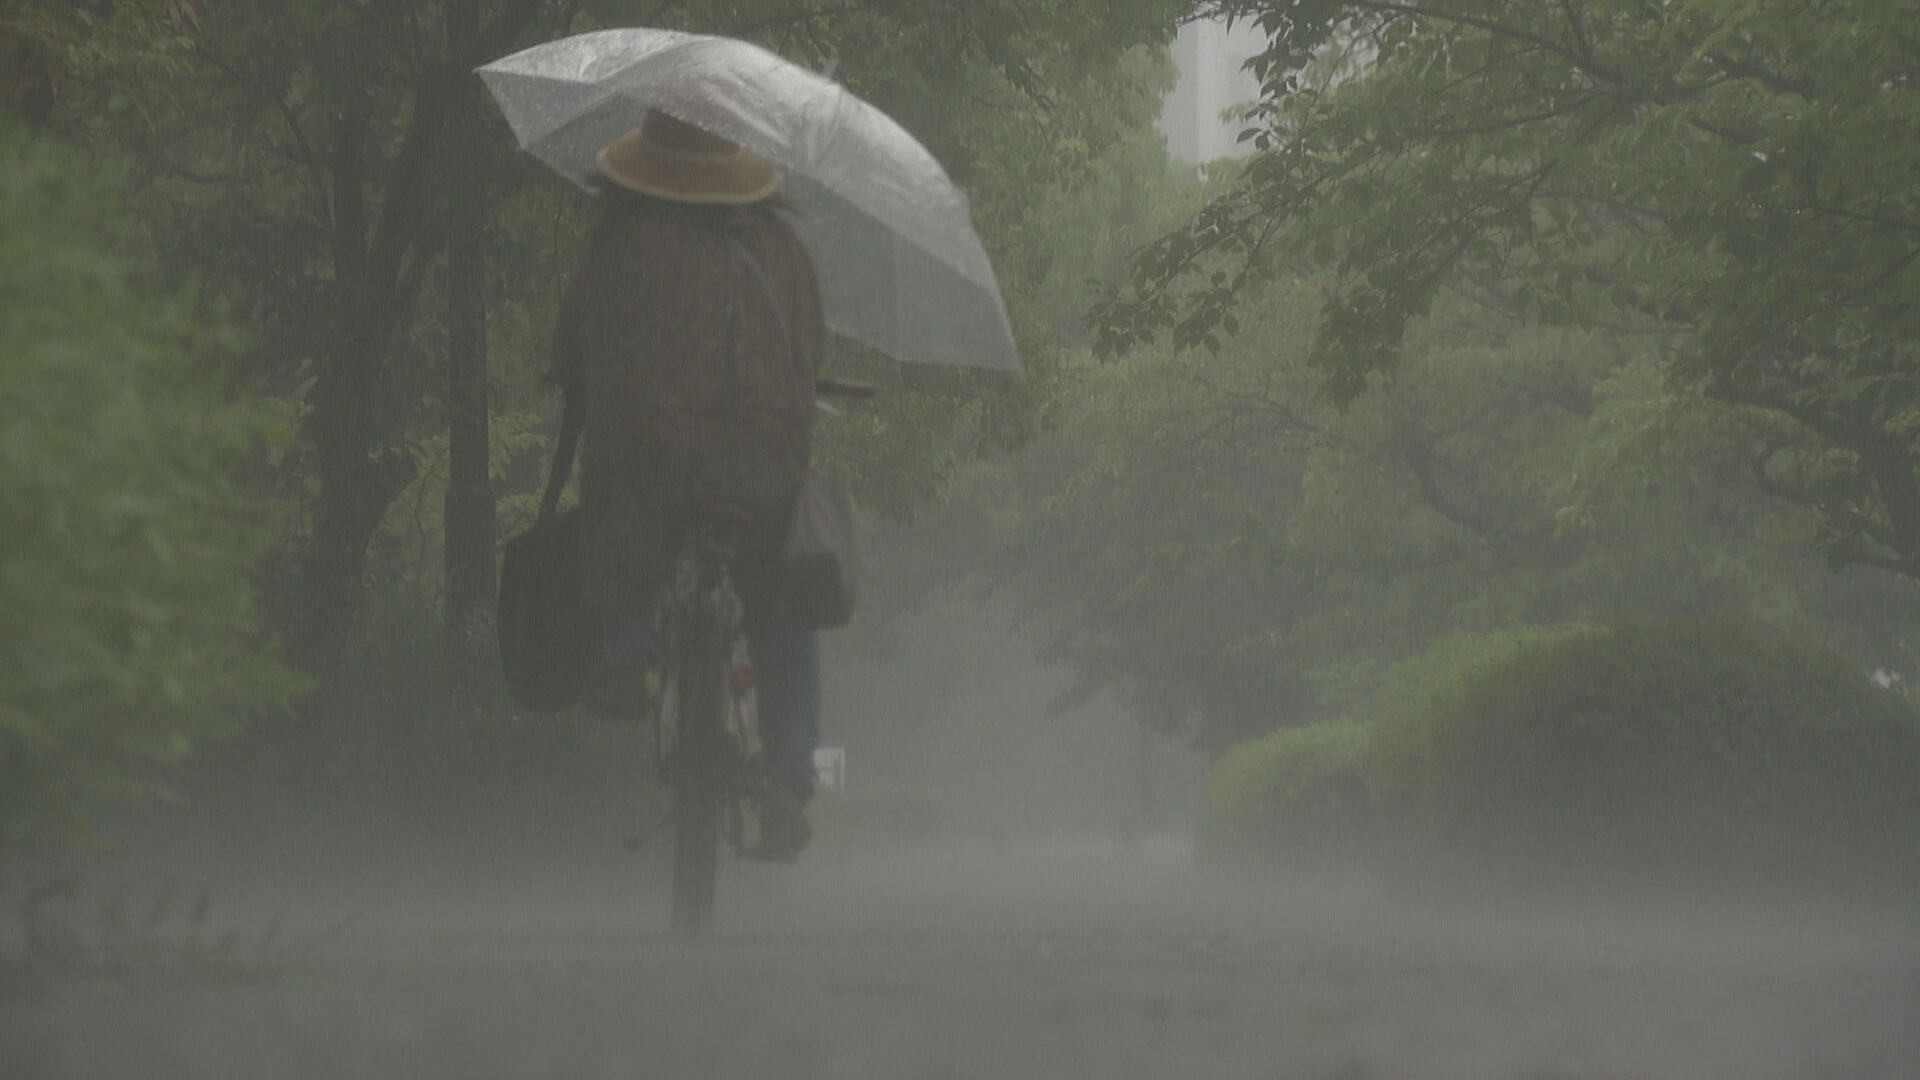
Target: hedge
[{"x": 1690, "y": 749}]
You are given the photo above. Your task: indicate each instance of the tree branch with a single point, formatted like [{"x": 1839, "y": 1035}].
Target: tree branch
[
  {"x": 1772, "y": 80},
  {"x": 1418, "y": 457},
  {"x": 1580, "y": 63},
  {"x": 346, "y": 198}
]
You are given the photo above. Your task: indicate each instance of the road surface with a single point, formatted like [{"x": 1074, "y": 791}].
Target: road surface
[{"x": 1039, "y": 960}]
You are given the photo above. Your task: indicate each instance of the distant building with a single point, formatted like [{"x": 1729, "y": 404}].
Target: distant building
[{"x": 1212, "y": 79}]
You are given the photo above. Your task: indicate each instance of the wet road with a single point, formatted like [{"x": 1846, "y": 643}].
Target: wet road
[{"x": 1060, "y": 960}]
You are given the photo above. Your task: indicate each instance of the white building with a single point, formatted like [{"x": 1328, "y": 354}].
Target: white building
[{"x": 1212, "y": 79}]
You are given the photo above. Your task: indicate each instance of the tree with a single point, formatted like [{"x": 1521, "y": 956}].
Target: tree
[
  {"x": 129, "y": 636},
  {"x": 48, "y": 45},
  {"x": 1737, "y": 177},
  {"x": 1211, "y": 536},
  {"x": 469, "y": 537},
  {"x": 319, "y": 204},
  {"x": 328, "y": 186}
]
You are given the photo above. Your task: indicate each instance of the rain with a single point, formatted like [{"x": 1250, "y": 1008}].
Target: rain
[{"x": 1113, "y": 538}]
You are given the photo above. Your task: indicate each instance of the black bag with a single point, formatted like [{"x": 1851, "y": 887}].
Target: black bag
[
  {"x": 818, "y": 574},
  {"x": 548, "y": 642}
]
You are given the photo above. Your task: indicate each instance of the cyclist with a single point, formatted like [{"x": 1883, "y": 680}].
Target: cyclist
[{"x": 692, "y": 332}]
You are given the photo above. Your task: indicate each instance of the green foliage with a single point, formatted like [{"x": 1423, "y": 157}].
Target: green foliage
[
  {"x": 1321, "y": 788},
  {"x": 1425, "y": 701},
  {"x": 51, "y": 48},
  {"x": 1735, "y": 176},
  {"x": 129, "y": 634},
  {"x": 1297, "y": 791},
  {"x": 1211, "y": 536},
  {"x": 1701, "y": 750},
  {"x": 1696, "y": 746},
  {"x": 298, "y": 165}
]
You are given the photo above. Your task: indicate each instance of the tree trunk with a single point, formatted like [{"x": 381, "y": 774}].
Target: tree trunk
[
  {"x": 377, "y": 257},
  {"x": 359, "y": 479},
  {"x": 469, "y": 519}
]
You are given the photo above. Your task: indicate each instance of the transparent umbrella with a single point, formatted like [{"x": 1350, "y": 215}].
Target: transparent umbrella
[{"x": 900, "y": 266}]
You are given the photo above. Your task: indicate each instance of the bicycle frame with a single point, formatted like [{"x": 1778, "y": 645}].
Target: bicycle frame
[{"x": 705, "y": 730}]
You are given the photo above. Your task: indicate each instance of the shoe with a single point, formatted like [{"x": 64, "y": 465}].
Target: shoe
[{"x": 784, "y": 830}]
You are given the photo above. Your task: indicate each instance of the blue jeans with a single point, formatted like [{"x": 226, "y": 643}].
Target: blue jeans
[{"x": 786, "y": 671}]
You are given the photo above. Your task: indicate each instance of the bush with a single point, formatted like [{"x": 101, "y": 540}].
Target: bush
[
  {"x": 1424, "y": 701},
  {"x": 1692, "y": 747},
  {"x": 1300, "y": 791},
  {"x": 128, "y": 633}
]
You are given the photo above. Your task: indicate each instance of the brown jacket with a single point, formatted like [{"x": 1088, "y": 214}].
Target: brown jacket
[{"x": 697, "y": 377}]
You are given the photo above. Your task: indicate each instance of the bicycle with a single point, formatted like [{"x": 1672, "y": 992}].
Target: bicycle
[
  {"x": 705, "y": 740},
  {"x": 706, "y": 734}
]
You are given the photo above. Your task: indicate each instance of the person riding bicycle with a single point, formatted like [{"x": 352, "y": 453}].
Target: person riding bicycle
[{"x": 692, "y": 331}]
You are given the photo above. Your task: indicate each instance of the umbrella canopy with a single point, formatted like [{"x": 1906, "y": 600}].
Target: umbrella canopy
[{"x": 900, "y": 266}]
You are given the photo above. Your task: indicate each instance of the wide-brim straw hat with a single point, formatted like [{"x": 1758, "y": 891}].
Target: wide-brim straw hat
[{"x": 671, "y": 159}]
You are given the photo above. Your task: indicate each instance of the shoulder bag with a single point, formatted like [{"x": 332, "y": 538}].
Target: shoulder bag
[{"x": 547, "y": 638}]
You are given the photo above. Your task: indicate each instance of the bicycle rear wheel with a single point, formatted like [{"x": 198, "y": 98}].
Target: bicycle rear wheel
[{"x": 699, "y": 786}]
